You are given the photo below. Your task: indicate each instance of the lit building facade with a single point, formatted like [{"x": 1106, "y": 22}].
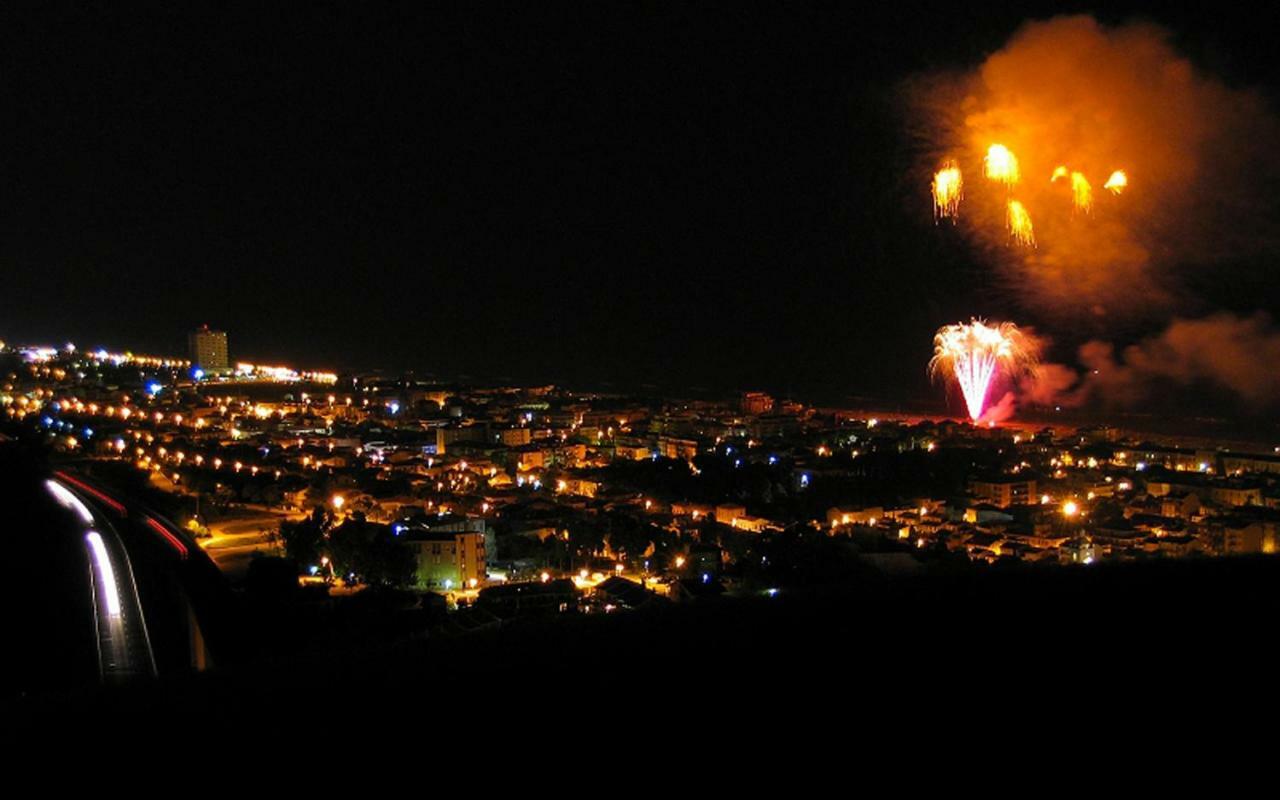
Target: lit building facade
[
  {"x": 208, "y": 349},
  {"x": 449, "y": 559},
  {"x": 1004, "y": 492}
]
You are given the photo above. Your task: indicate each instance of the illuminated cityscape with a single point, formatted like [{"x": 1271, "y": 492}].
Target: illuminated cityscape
[
  {"x": 494, "y": 365},
  {"x": 487, "y": 485}
]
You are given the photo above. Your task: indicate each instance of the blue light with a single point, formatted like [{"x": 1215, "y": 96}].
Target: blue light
[
  {"x": 154, "y": 388},
  {"x": 395, "y": 408},
  {"x": 804, "y": 479},
  {"x": 48, "y": 421},
  {"x": 737, "y": 462},
  {"x": 88, "y": 433},
  {"x": 197, "y": 373},
  {"x": 397, "y": 529},
  {"x": 706, "y": 578},
  {"x": 314, "y": 569},
  {"x": 773, "y": 459}
]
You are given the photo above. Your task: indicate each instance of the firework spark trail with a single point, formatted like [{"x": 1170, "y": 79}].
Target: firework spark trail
[
  {"x": 1002, "y": 165},
  {"x": 948, "y": 187},
  {"x": 1020, "y": 224},
  {"x": 1117, "y": 183},
  {"x": 972, "y": 353},
  {"x": 1081, "y": 192}
]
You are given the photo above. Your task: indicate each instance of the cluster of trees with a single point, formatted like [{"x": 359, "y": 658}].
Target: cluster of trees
[
  {"x": 621, "y": 533},
  {"x": 355, "y": 548},
  {"x": 884, "y": 477}
]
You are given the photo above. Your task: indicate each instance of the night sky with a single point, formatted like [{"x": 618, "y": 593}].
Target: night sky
[{"x": 712, "y": 197}]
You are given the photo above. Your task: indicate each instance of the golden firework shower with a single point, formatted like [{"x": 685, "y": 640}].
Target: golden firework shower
[
  {"x": 948, "y": 187},
  {"x": 972, "y": 353},
  {"x": 1019, "y": 222},
  {"x": 1002, "y": 165},
  {"x": 1081, "y": 192},
  {"x": 1058, "y": 119}
]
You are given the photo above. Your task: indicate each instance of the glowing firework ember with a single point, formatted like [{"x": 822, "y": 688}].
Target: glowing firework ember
[
  {"x": 1073, "y": 95},
  {"x": 972, "y": 353},
  {"x": 1002, "y": 165},
  {"x": 947, "y": 189},
  {"x": 1081, "y": 192},
  {"x": 1020, "y": 225}
]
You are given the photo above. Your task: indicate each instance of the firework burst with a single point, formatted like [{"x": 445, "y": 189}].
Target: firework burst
[
  {"x": 1081, "y": 192},
  {"x": 1020, "y": 224},
  {"x": 973, "y": 353},
  {"x": 1117, "y": 183},
  {"x": 948, "y": 187},
  {"x": 1002, "y": 165}
]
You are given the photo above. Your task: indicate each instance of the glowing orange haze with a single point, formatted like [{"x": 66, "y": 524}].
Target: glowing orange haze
[{"x": 1111, "y": 107}]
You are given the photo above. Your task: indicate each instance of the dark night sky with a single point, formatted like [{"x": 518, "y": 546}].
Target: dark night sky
[{"x": 708, "y": 196}]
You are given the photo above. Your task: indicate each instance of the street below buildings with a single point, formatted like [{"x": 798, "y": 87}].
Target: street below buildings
[{"x": 234, "y": 541}]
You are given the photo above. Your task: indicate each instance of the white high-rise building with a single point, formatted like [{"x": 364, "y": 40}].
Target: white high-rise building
[{"x": 208, "y": 349}]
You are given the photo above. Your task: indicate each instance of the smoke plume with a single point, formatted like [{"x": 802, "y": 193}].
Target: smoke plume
[
  {"x": 1070, "y": 92},
  {"x": 1221, "y": 352}
]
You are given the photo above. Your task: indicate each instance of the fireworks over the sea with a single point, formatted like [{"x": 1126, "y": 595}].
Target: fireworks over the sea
[
  {"x": 1000, "y": 166},
  {"x": 1144, "y": 176},
  {"x": 1112, "y": 144},
  {"x": 948, "y": 186},
  {"x": 1020, "y": 224},
  {"x": 974, "y": 353},
  {"x": 1117, "y": 182},
  {"x": 1081, "y": 192}
]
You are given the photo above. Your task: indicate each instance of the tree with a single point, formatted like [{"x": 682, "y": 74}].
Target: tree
[
  {"x": 303, "y": 541},
  {"x": 371, "y": 552}
]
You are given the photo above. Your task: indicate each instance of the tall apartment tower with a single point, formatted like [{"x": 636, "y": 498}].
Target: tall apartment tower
[{"x": 208, "y": 349}]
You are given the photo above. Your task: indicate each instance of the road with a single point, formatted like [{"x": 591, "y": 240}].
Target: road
[{"x": 235, "y": 540}]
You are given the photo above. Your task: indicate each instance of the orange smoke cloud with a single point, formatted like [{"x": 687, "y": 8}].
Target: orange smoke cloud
[
  {"x": 1222, "y": 351},
  {"x": 1069, "y": 92}
]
